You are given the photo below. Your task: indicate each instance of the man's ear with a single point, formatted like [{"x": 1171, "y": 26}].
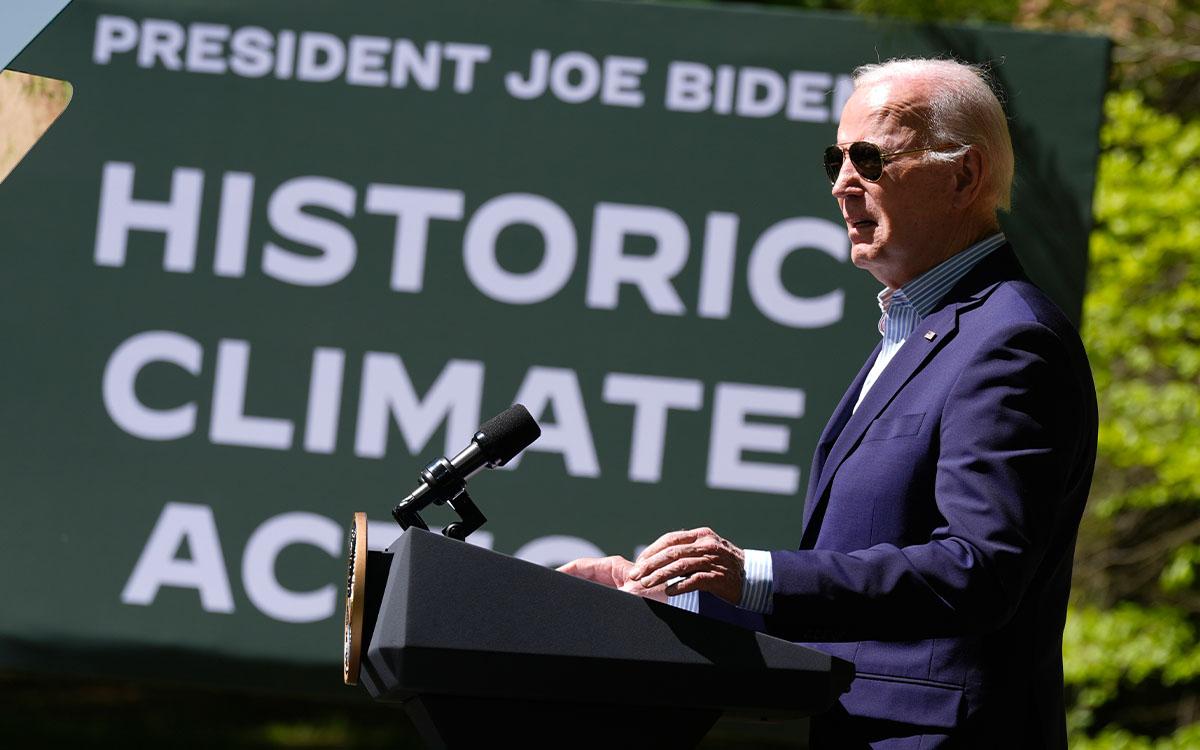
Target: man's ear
[{"x": 969, "y": 173}]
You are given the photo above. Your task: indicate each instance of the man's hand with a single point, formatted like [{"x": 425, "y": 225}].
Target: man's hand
[
  {"x": 703, "y": 559},
  {"x": 612, "y": 572}
]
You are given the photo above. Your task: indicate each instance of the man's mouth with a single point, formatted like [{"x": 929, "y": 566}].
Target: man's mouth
[{"x": 862, "y": 224}]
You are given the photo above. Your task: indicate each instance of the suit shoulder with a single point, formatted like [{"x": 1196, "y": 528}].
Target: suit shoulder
[
  {"x": 1019, "y": 301},
  {"x": 1016, "y": 314}
]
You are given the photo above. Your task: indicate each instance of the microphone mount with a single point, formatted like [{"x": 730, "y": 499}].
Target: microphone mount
[
  {"x": 445, "y": 487},
  {"x": 444, "y": 481}
]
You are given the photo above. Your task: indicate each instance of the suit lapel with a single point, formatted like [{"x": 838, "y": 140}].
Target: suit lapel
[
  {"x": 833, "y": 428},
  {"x": 918, "y": 349}
]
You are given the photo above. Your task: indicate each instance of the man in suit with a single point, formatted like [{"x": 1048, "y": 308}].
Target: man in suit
[{"x": 946, "y": 490}]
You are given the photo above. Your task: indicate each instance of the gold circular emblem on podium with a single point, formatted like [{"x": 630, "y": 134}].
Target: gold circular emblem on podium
[{"x": 356, "y": 581}]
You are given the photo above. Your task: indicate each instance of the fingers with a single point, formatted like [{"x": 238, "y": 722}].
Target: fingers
[
  {"x": 702, "y": 581},
  {"x": 657, "y": 593},
  {"x": 609, "y": 571},
  {"x": 685, "y": 567},
  {"x": 673, "y": 538},
  {"x": 586, "y": 568},
  {"x": 680, "y": 545},
  {"x": 700, "y": 557}
]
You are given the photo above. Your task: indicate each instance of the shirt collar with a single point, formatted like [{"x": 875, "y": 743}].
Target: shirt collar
[{"x": 923, "y": 292}]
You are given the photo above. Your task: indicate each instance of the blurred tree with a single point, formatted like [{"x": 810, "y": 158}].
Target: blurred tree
[
  {"x": 1157, "y": 42},
  {"x": 1131, "y": 648}
]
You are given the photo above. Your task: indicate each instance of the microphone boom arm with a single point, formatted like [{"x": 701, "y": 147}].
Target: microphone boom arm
[{"x": 441, "y": 484}]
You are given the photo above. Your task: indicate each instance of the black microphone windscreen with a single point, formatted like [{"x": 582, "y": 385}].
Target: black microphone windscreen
[{"x": 507, "y": 434}]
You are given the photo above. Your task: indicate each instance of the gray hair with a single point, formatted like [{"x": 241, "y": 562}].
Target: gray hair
[{"x": 962, "y": 109}]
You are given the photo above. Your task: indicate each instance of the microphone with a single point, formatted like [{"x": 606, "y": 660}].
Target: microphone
[{"x": 444, "y": 480}]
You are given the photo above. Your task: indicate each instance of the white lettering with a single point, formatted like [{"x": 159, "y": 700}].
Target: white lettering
[
  {"x": 113, "y": 34},
  {"x": 334, "y": 241},
  {"x": 732, "y": 434},
  {"x": 622, "y": 81},
  {"x": 465, "y": 57},
  {"x": 251, "y": 50},
  {"x": 841, "y": 92},
  {"x": 651, "y": 398},
  {"x": 322, "y": 57},
  {"x": 120, "y": 378},
  {"x": 558, "y": 259},
  {"x": 806, "y": 96},
  {"x": 564, "y": 67},
  {"x": 546, "y": 388},
  {"x": 766, "y": 265},
  {"x": 258, "y": 566},
  {"x": 233, "y": 224},
  {"x": 689, "y": 87},
  {"x": 651, "y": 274},
  {"x": 386, "y": 391},
  {"x": 206, "y": 47},
  {"x": 324, "y": 400},
  {"x": 365, "y": 64},
  {"x": 158, "y": 565},
  {"x": 760, "y": 92},
  {"x": 230, "y": 424},
  {"x": 535, "y": 85},
  {"x": 285, "y": 55},
  {"x": 424, "y": 68},
  {"x": 413, "y": 209},
  {"x": 716, "y": 272},
  {"x": 162, "y": 41},
  {"x": 178, "y": 217},
  {"x": 723, "y": 90}
]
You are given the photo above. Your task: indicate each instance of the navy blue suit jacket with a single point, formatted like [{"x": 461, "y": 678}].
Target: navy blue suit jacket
[{"x": 940, "y": 524}]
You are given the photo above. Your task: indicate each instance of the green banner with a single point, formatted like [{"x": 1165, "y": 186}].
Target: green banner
[{"x": 278, "y": 255}]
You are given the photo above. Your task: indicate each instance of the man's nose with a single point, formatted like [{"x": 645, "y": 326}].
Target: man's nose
[{"x": 847, "y": 179}]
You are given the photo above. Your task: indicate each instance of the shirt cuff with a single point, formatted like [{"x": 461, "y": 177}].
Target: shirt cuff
[
  {"x": 757, "y": 586},
  {"x": 689, "y": 601}
]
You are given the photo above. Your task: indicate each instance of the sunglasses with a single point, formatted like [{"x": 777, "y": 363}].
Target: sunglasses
[{"x": 866, "y": 157}]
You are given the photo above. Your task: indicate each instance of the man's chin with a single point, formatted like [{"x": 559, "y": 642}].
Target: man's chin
[
  {"x": 868, "y": 260},
  {"x": 863, "y": 256}
]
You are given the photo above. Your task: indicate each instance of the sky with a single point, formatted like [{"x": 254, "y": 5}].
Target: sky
[{"x": 20, "y": 22}]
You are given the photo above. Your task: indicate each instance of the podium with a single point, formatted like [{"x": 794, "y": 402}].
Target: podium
[{"x": 485, "y": 650}]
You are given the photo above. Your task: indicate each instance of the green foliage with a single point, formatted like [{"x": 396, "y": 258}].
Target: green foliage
[
  {"x": 1143, "y": 313},
  {"x": 1002, "y": 11},
  {"x": 1155, "y": 48},
  {"x": 1186, "y": 738},
  {"x": 1131, "y": 654},
  {"x": 1180, "y": 572},
  {"x": 940, "y": 10},
  {"x": 1128, "y": 644}
]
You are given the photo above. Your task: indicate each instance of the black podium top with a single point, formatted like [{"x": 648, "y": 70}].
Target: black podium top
[{"x": 458, "y": 620}]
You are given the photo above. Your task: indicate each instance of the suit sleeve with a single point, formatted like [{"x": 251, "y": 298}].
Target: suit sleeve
[{"x": 1011, "y": 438}]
